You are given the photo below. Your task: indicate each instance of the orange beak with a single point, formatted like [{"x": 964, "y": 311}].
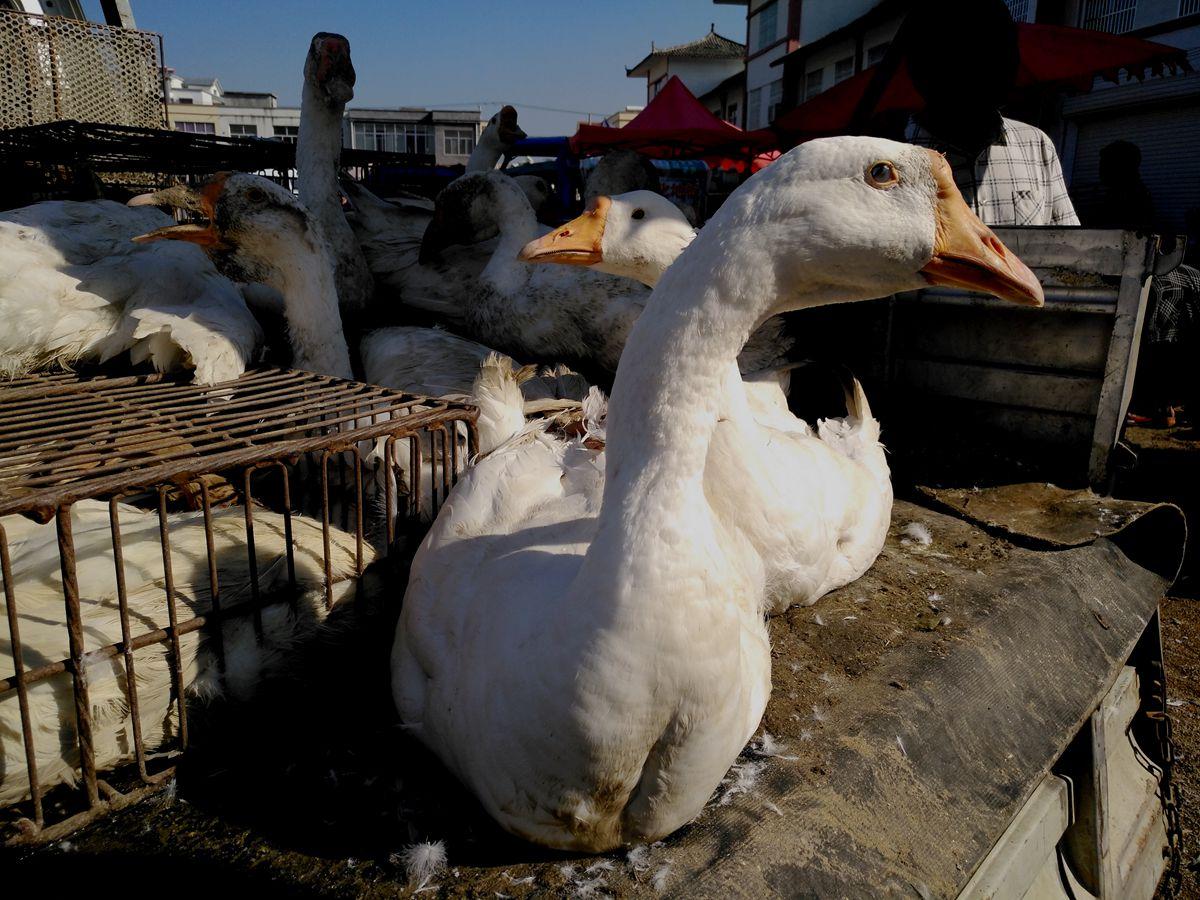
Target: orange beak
[
  {"x": 575, "y": 244},
  {"x": 202, "y": 201},
  {"x": 967, "y": 254}
]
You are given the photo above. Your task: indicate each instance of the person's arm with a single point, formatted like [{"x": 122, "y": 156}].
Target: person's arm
[{"x": 1062, "y": 210}]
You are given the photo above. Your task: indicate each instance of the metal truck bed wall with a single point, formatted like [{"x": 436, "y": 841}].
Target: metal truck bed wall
[{"x": 1057, "y": 377}]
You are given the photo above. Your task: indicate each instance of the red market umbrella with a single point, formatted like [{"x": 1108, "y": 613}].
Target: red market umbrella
[
  {"x": 675, "y": 125},
  {"x": 1051, "y": 55}
]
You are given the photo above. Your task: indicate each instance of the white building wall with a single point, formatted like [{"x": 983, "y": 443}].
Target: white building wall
[
  {"x": 701, "y": 76},
  {"x": 821, "y": 17},
  {"x": 760, "y": 76},
  {"x": 263, "y": 119}
]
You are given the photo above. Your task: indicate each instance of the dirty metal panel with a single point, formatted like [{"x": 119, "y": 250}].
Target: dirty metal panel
[
  {"x": 936, "y": 750},
  {"x": 1071, "y": 343},
  {"x": 1058, "y": 392}
]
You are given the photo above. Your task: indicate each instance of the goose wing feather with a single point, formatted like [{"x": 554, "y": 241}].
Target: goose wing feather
[{"x": 75, "y": 288}]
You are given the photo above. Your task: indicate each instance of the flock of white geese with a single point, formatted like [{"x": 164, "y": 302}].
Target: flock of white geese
[{"x": 583, "y": 638}]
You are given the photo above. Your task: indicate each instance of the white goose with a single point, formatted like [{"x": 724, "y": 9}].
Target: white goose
[
  {"x": 74, "y": 289},
  {"x": 267, "y": 236},
  {"x": 590, "y": 659},
  {"x": 234, "y": 670}
]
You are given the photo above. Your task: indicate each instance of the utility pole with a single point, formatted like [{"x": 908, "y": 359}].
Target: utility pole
[{"x": 118, "y": 13}]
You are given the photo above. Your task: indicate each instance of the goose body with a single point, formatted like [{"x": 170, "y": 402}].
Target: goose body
[
  {"x": 589, "y": 653},
  {"x": 233, "y": 670},
  {"x": 73, "y": 288}
]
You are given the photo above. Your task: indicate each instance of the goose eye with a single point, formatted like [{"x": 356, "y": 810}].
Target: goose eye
[
  {"x": 256, "y": 195},
  {"x": 639, "y": 214},
  {"x": 882, "y": 175}
]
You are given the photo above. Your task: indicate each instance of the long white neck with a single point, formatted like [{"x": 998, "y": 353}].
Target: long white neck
[
  {"x": 670, "y": 391},
  {"x": 486, "y": 154},
  {"x": 518, "y": 226},
  {"x": 318, "y": 149},
  {"x": 303, "y": 274}
]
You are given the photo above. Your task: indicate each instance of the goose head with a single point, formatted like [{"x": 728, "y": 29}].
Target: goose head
[
  {"x": 847, "y": 218},
  {"x": 502, "y": 130},
  {"x": 637, "y": 235},
  {"x": 471, "y": 209},
  {"x": 328, "y": 68},
  {"x": 251, "y": 224}
]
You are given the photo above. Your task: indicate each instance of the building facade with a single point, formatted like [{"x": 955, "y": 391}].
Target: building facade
[
  {"x": 621, "y": 117},
  {"x": 703, "y": 66},
  {"x": 1161, "y": 115},
  {"x": 203, "y": 106},
  {"x": 448, "y": 136},
  {"x": 772, "y": 30}
]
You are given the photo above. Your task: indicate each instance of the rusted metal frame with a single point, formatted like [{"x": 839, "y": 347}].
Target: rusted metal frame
[
  {"x": 245, "y": 392},
  {"x": 43, "y": 390},
  {"x": 252, "y": 554},
  {"x": 447, "y": 458},
  {"x": 287, "y": 532},
  {"x": 103, "y": 418},
  {"x": 110, "y": 651},
  {"x": 114, "y": 524},
  {"x": 174, "y": 436},
  {"x": 358, "y": 510},
  {"x": 433, "y": 473},
  {"x": 231, "y": 459},
  {"x": 214, "y": 583},
  {"x": 83, "y": 709},
  {"x": 103, "y": 807},
  {"x": 176, "y": 660},
  {"x": 415, "y": 451},
  {"x": 18, "y": 676},
  {"x": 389, "y": 491},
  {"x": 325, "y": 536}
]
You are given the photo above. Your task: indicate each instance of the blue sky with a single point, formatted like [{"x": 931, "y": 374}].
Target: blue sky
[{"x": 568, "y": 55}]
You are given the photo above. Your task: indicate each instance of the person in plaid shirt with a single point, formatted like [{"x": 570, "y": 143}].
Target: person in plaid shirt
[{"x": 963, "y": 60}]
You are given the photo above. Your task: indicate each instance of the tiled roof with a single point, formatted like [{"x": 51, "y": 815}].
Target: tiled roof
[{"x": 711, "y": 46}]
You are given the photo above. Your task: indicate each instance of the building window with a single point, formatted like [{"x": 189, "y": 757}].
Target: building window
[
  {"x": 1019, "y": 9},
  {"x": 236, "y": 130},
  {"x": 394, "y": 137},
  {"x": 775, "y": 99},
  {"x": 814, "y": 83},
  {"x": 196, "y": 127},
  {"x": 753, "y": 108},
  {"x": 876, "y": 54},
  {"x": 1189, "y": 7},
  {"x": 768, "y": 25},
  {"x": 183, "y": 100},
  {"x": 458, "y": 141},
  {"x": 1113, "y": 16},
  {"x": 287, "y": 133},
  {"x": 731, "y": 114},
  {"x": 843, "y": 69}
]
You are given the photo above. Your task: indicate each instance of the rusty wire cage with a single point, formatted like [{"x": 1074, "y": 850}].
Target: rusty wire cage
[{"x": 161, "y": 540}]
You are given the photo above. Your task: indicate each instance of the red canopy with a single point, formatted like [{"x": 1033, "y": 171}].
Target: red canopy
[
  {"x": 1050, "y": 55},
  {"x": 675, "y": 125}
]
